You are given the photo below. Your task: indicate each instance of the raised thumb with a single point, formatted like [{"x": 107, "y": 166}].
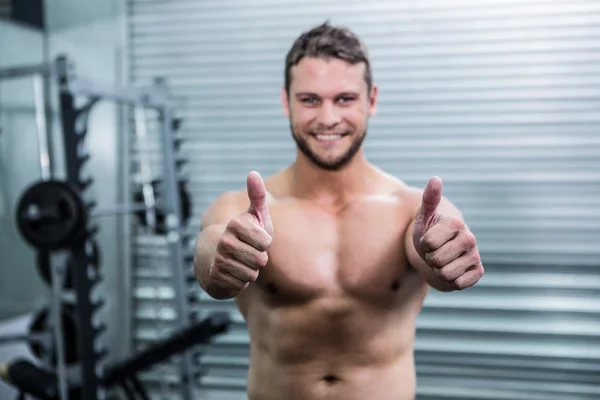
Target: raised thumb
[
  {"x": 257, "y": 194},
  {"x": 432, "y": 196}
]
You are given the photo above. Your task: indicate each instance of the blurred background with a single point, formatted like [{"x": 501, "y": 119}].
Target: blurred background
[{"x": 500, "y": 98}]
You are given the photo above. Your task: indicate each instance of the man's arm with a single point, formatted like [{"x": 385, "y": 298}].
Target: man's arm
[
  {"x": 213, "y": 225},
  {"x": 439, "y": 244}
]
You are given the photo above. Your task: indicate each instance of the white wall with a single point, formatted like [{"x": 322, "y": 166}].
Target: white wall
[{"x": 21, "y": 288}]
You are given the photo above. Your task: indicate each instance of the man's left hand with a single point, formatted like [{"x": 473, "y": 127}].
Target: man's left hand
[{"x": 445, "y": 242}]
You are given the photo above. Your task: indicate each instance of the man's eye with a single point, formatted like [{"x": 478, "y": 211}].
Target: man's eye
[
  {"x": 309, "y": 100},
  {"x": 346, "y": 99}
]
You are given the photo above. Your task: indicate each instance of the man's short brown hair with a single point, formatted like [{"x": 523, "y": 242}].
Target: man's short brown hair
[{"x": 328, "y": 41}]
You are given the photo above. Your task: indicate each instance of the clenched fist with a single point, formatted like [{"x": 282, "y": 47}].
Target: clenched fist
[
  {"x": 242, "y": 249},
  {"x": 445, "y": 243}
]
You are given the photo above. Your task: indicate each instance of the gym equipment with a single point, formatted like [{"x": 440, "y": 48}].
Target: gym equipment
[
  {"x": 51, "y": 215},
  {"x": 158, "y": 218},
  {"x": 32, "y": 379},
  {"x": 54, "y": 218},
  {"x": 41, "y": 325},
  {"x": 38, "y": 72},
  {"x": 45, "y": 268}
]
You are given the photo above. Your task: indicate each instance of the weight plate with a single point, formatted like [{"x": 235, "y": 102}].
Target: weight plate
[
  {"x": 41, "y": 324},
  {"x": 51, "y": 215}
]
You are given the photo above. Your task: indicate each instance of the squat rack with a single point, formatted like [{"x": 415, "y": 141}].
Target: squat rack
[{"x": 74, "y": 126}]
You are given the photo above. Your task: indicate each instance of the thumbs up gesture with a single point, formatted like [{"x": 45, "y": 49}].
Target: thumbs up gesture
[
  {"x": 445, "y": 242},
  {"x": 242, "y": 249}
]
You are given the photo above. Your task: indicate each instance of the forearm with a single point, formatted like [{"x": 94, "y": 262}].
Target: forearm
[{"x": 205, "y": 251}]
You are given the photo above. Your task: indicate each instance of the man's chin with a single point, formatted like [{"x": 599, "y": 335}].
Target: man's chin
[{"x": 328, "y": 164}]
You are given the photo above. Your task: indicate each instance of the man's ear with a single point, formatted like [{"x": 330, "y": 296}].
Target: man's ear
[
  {"x": 285, "y": 102},
  {"x": 373, "y": 100}
]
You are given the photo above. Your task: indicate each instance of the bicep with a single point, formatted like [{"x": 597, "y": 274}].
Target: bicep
[
  {"x": 215, "y": 218},
  {"x": 222, "y": 210}
]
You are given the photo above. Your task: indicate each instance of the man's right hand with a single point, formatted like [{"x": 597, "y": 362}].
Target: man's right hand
[{"x": 242, "y": 249}]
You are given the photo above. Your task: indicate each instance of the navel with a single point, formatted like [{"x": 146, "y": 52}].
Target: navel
[
  {"x": 395, "y": 285},
  {"x": 330, "y": 379}
]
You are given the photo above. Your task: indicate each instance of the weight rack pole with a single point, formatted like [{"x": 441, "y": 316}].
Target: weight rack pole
[
  {"x": 173, "y": 214},
  {"x": 86, "y": 307},
  {"x": 41, "y": 127},
  {"x": 58, "y": 271}
]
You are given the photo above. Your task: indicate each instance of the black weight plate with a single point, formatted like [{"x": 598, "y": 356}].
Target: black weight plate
[
  {"x": 51, "y": 215},
  {"x": 41, "y": 324},
  {"x": 43, "y": 265}
]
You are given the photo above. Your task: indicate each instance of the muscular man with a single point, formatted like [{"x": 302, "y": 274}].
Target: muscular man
[{"x": 330, "y": 259}]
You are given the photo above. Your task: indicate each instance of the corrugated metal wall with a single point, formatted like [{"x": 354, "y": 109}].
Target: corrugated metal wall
[
  {"x": 5, "y": 9},
  {"x": 501, "y": 98}
]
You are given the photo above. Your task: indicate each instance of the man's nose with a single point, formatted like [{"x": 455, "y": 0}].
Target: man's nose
[{"x": 328, "y": 115}]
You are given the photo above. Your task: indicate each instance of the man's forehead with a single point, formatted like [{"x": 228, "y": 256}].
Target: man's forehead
[{"x": 330, "y": 71}]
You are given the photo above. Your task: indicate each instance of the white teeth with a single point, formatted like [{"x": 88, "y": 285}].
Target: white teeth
[{"x": 328, "y": 137}]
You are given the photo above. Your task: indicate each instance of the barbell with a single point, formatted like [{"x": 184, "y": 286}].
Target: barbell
[{"x": 51, "y": 215}]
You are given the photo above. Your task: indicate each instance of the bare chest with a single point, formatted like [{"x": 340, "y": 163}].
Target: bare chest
[{"x": 358, "y": 252}]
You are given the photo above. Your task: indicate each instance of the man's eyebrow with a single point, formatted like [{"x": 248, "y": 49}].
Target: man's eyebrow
[
  {"x": 342, "y": 94},
  {"x": 300, "y": 94}
]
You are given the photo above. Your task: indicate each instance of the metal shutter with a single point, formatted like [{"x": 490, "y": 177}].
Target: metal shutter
[
  {"x": 5, "y": 9},
  {"x": 501, "y": 98}
]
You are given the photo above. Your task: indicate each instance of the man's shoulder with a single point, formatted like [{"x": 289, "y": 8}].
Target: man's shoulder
[
  {"x": 235, "y": 201},
  {"x": 401, "y": 190}
]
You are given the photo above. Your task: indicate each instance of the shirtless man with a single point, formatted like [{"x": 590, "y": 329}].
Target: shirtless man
[{"x": 330, "y": 259}]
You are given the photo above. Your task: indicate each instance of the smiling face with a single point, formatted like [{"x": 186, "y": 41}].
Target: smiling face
[{"x": 328, "y": 105}]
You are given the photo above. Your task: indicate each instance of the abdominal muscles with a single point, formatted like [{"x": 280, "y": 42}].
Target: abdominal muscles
[{"x": 331, "y": 349}]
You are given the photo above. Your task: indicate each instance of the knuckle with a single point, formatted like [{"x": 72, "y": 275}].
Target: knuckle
[
  {"x": 434, "y": 259},
  {"x": 457, "y": 223},
  {"x": 252, "y": 276},
  {"x": 266, "y": 241},
  {"x": 262, "y": 258},
  {"x": 446, "y": 275},
  {"x": 480, "y": 272},
  {"x": 236, "y": 283},
  {"x": 235, "y": 224},
  {"x": 427, "y": 242},
  {"x": 470, "y": 239},
  {"x": 215, "y": 273},
  {"x": 219, "y": 261},
  {"x": 476, "y": 258},
  {"x": 227, "y": 243}
]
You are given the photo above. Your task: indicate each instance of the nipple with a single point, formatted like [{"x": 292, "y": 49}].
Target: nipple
[{"x": 271, "y": 288}]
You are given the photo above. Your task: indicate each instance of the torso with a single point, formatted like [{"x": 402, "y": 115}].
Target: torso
[{"x": 332, "y": 315}]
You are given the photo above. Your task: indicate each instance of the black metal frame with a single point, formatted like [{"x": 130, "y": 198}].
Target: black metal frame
[
  {"x": 86, "y": 307},
  {"x": 71, "y": 86}
]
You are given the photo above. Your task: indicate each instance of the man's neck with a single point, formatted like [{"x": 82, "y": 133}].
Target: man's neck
[{"x": 331, "y": 187}]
